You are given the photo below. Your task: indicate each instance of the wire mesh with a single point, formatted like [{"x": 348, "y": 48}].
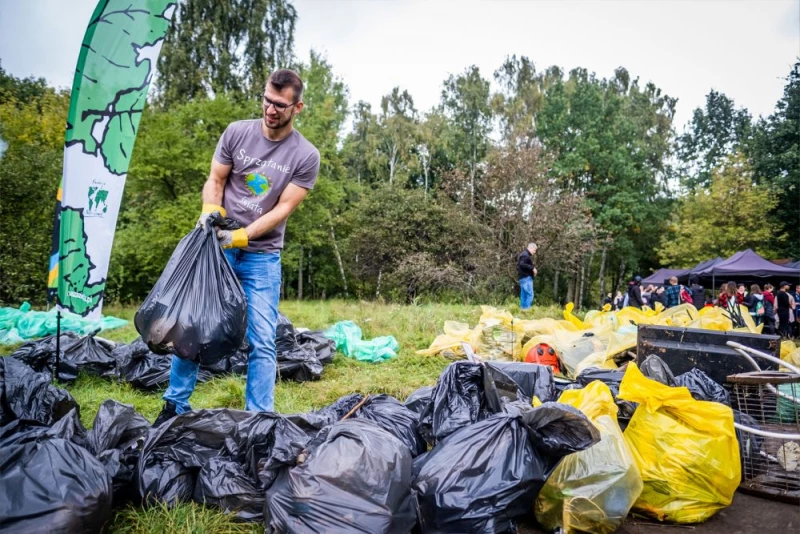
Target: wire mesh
[{"x": 769, "y": 402}]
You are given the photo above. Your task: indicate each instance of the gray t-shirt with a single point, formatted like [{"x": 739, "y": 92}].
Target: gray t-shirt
[{"x": 261, "y": 171}]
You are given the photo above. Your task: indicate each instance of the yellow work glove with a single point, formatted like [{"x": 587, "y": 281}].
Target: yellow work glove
[
  {"x": 208, "y": 209},
  {"x": 232, "y": 238}
]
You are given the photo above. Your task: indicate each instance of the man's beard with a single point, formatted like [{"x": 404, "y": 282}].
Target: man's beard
[{"x": 281, "y": 123}]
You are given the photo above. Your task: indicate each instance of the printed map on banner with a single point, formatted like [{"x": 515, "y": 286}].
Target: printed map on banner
[{"x": 115, "y": 67}]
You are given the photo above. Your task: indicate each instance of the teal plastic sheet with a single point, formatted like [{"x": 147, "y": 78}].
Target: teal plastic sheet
[
  {"x": 23, "y": 323},
  {"x": 348, "y": 338}
]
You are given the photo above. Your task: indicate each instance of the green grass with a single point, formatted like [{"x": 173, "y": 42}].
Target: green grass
[{"x": 413, "y": 326}]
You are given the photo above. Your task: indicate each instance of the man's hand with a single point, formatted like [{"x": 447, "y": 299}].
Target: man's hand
[
  {"x": 208, "y": 209},
  {"x": 535, "y": 272},
  {"x": 232, "y": 238}
]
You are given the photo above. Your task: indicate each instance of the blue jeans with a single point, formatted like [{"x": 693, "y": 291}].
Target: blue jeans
[
  {"x": 526, "y": 292},
  {"x": 260, "y": 276}
]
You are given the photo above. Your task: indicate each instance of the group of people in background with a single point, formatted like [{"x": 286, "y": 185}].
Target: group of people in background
[{"x": 776, "y": 310}]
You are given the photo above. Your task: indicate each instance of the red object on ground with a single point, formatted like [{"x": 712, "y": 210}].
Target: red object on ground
[{"x": 544, "y": 354}]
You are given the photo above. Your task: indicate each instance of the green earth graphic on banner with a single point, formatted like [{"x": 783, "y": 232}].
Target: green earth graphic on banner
[
  {"x": 98, "y": 200},
  {"x": 74, "y": 265},
  {"x": 258, "y": 184}
]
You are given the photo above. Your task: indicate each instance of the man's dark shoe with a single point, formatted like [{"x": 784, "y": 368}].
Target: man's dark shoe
[{"x": 167, "y": 413}]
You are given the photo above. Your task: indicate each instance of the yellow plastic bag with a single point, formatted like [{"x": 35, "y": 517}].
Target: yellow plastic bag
[
  {"x": 592, "y": 490},
  {"x": 686, "y": 450}
]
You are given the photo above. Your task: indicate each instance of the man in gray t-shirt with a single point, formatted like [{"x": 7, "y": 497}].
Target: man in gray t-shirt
[{"x": 261, "y": 171}]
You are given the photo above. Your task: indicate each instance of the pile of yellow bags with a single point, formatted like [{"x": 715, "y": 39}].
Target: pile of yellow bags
[
  {"x": 592, "y": 490},
  {"x": 686, "y": 450},
  {"x": 591, "y": 342}
]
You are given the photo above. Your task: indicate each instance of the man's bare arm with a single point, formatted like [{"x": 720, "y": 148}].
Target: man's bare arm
[
  {"x": 291, "y": 197},
  {"x": 215, "y": 185}
]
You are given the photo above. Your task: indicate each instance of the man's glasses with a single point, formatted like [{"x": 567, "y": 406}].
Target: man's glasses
[{"x": 279, "y": 107}]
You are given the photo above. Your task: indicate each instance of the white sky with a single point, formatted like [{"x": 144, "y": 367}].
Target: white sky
[{"x": 743, "y": 49}]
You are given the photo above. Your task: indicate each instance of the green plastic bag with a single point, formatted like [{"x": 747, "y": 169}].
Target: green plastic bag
[
  {"x": 20, "y": 324},
  {"x": 347, "y": 336}
]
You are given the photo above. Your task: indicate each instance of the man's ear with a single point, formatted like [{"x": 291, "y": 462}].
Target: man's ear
[{"x": 299, "y": 107}]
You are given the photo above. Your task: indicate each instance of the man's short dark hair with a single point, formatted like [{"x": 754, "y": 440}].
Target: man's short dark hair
[{"x": 283, "y": 78}]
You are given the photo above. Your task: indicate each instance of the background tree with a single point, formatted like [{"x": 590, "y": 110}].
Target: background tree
[
  {"x": 775, "y": 154},
  {"x": 465, "y": 101},
  {"x": 227, "y": 47},
  {"x": 714, "y": 133},
  {"x": 727, "y": 217}
]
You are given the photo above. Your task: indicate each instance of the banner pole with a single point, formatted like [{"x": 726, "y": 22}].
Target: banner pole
[{"x": 58, "y": 344}]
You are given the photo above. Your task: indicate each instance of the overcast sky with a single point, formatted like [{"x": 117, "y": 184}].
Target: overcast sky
[{"x": 743, "y": 49}]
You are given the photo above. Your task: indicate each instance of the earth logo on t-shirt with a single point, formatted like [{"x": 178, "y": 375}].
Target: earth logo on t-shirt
[{"x": 258, "y": 184}]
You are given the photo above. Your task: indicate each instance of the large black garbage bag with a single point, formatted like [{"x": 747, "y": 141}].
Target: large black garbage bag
[
  {"x": 140, "y": 367},
  {"x": 218, "y": 457},
  {"x": 391, "y": 415},
  {"x": 702, "y": 387},
  {"x": 197, "y": 308},
  {"x": 465, "y": 393},
  {"x": 533, "y": 380},
  {"x": 420, "y": 398},
  {"x": 484, "y": 476},
  {"x": 50, "y": 484},
  {"x": 656, "y": 369},
  {"x": 174, "y": 452},
  {"x": 29, "y": 396},
  {"x": 300, "y": 364},
  {"x": 116, "y": 440},
  {"x": 89, "y": 356},
  {"x": 285, "y": 334},
  {"x": 40, "y": 354},
  {"x": 323, "y": 347},
  {"x": 355, "y": 478},
  {"x": 233, "y": 364},
  {"x": 312, "y": 422},
  {"x": 257, "y": 450},
  {"x": 612, "y": 378}
]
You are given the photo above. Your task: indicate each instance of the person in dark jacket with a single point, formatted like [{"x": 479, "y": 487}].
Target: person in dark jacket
[
  {"x": 769, "y": 309},
  {"x": 698, "y": 293},
  {"x": 525, "y": 274},
  {"x": 784, "y": 310},
  {"x": 635, "y": 293}
]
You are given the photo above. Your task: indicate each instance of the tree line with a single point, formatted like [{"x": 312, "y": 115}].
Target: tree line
[{"x": 422, "y": 204}]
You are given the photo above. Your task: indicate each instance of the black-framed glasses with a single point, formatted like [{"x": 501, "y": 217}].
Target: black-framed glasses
[{"x": 279, "y": 106}]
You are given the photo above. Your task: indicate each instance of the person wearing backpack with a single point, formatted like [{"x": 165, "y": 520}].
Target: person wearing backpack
[{"x": 755, "y": 304}]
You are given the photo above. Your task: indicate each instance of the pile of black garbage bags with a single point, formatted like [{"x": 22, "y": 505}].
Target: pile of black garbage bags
[
  {"x": 467, "y": 455},
  {"x": 300, "y": 355}
]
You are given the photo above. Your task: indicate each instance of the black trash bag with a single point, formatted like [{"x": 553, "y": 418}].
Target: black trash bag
[
  {"x": 533, "y": 380},
  {"x": 29, "y": 396},
  {"x": 116, "y": 440},
  {"x": 656, "y": 369},
  {"x": 485, "y": 476},
  {"x": 420, "y": 398},
  {"x": 50, "y": 484},
  {"x": 142, "y": 368},
  {"x": 89, "y": 356},
  {"x": 323, "y": 347},
  {"x": 299, "y": 364},
  {"x": 197, "y": 309},
  {"x": 218, "y": 457},
  {"x": 702, "y": 387},
  {"x": 285, "y": 335},
  {"x": 749, "y": 443},
  {"x": 258, "y": 449},
  {"x": 174, "y": 452},
  {"x": 465, "y": 393},
  {"x": 40, "y": 354},
  {"x": 19, "y": 432},
  {"x": 312, "y": 422},
  {"x": 355, "y": 478},
  {"x": 391, "y": 415},
  {"x": 612, "y": 378}
]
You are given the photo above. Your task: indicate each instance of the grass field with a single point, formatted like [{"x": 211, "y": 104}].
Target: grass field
[{"x": 413, "y": 326}]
